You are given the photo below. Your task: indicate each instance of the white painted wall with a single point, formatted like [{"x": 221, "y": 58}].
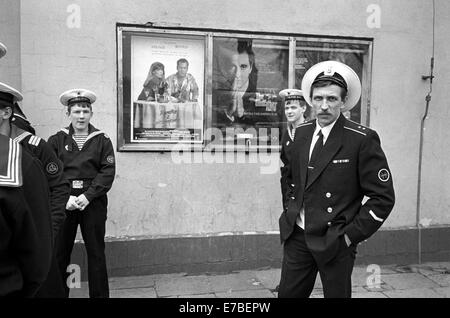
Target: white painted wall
[{"x": 151, "y": 195}]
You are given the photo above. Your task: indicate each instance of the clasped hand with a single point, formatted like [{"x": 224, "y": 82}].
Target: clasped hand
[{"x": 80, "y": 202}]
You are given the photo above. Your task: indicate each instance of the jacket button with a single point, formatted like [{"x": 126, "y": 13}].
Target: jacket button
[
  {"x": 330, "y": 209},
  {"x": 328, "y": 195},
  {"x": 293, "y": 198},
  {"x": 292, "y": 185},
  {"x": 329, "y": 223}
]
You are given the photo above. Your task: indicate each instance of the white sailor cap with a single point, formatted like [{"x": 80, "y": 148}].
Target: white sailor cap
[
  {"x": 9, "y": 95},
  {"x": 77, "y": 95},
  {"x": 291, "y": 94},
  {"x": 338, "y": 73},
  {"x": 3, "y": 50}
]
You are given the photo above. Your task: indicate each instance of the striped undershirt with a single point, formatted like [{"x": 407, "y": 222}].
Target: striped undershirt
[{"x": 80, "y": 140}]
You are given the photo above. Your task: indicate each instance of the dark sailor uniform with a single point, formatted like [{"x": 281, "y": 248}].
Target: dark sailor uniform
[
  {"x": 90, "y": 171},
  {"x": 53, "y": 169},
  {"x": 287, "y": 141},
  {"x": 59, "y": 194},
  {"x": 25, "y": 227}
]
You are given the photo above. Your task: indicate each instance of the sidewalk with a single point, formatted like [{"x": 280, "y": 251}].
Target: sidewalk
[{"x": 428, "y": 280}]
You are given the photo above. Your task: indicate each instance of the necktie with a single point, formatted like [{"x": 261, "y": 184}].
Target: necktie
[{"x": 315, "y": 153}]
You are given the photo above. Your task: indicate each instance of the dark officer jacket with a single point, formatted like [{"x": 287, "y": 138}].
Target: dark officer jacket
[{"x": 351, "y": 165}]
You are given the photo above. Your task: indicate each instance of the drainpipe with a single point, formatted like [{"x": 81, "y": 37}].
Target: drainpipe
[{"x": 422, "y": 129}]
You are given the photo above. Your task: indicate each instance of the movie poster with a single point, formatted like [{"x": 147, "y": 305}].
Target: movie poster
[{"x": 167, "y": 89}]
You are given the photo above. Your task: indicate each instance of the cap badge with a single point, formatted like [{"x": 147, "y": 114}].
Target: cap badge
[{"x": 329, "y": 71}]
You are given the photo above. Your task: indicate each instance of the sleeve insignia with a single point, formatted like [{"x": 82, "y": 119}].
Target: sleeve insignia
[
  {"x": 110, "y": 159},
  {"x": 384, "y": 175},
  {"x": 52, "y": 168}
]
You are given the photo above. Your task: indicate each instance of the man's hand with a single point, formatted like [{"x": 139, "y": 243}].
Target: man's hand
[
  {"x": 81, "y": 201},
  {"x": 71, "y": 204}
]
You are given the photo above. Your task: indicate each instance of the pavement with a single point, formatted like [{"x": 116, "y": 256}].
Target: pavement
[{"x": 427, "y": 280}]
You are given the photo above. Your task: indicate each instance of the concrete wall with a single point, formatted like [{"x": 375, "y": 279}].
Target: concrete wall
[
  {"x": 435, "y": 201},
  {"x": 154, "y": 197},
  {"x": 10, "y": 72}
]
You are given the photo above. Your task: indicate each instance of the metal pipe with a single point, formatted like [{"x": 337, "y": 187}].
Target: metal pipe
[{"x": 422, "y": 129}]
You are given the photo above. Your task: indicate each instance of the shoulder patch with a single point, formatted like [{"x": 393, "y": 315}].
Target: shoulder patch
[
  {"x": 52, "y": 168},
  {"x": 384, "y": 175},
  {"x": 355, "y": 130},
  {"x": 22, "y": 136},
  {"x": 110, "y": 159},
  {"x": 34, "y": 140},
  {"x": 357, "y": 126}
]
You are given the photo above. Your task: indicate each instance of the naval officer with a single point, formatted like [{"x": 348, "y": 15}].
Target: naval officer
[{"x": 334, "y": 164}]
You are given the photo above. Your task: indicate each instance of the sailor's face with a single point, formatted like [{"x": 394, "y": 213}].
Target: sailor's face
[
  {"x": 80, "y": 116},
  {"x": 5, "y": 115},
  {"x": 294, "y": 110}
]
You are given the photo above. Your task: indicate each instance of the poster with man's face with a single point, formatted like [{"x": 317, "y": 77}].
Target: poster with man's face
[{"x": 247, "y": 76}]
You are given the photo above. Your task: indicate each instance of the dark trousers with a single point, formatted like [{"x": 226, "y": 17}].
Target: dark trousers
[
  {"x": 53, "y": 286},
  {"x": 299, "y": 270},
  {"x": 92, "y": 223}
]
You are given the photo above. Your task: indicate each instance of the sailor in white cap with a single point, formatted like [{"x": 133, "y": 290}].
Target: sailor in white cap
[
  {"x": 294, "y": 109},
  {"x": 3, "y": 50},
  {"x": 20, "y": 168},
  {"x": 19, "y": 119},
  {"x": 89, "y": 165},
  {"x": 334, "y": 164},
  {"x": 25, "y": 227},
  {"x": 52, "y": 167}
]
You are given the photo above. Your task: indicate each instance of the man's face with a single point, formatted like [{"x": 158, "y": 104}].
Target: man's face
[
  {"x": 294, "y": 109},
  {"x": 5, "y": 115},
  {"x": 80, "y": 116},
  {"x": 241, "y": 68},
  {"x": 327, "y": 103},
  {"x": 182, "y": 69}
]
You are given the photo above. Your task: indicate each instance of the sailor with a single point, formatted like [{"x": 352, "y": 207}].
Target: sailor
[
  {"x": 26, "y": 228},
  {"x": 334, "y": 164},
  {"x": 53, "y": 169},
  {"x": 89, "y": 165},
  {"x": 294, "y": 109}
]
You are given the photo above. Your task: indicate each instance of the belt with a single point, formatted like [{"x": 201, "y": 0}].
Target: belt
[{"x": 80, "y": 184}]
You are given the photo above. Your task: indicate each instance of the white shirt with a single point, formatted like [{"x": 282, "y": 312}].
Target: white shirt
[{"x": 325, "y": 132}]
